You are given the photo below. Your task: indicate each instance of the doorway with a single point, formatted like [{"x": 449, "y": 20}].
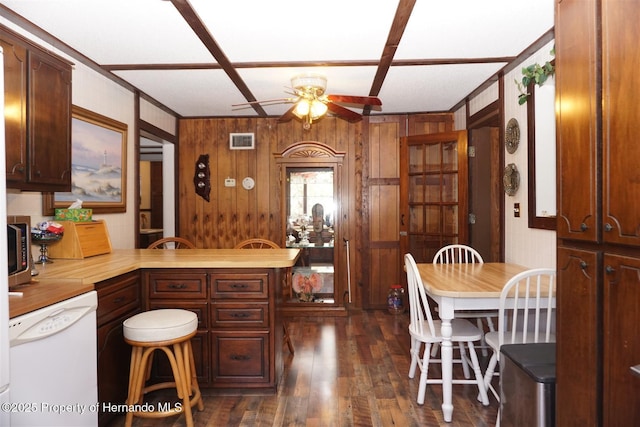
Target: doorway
[
  {"x": 486, "y": 197},
  {"x": 156, "y": 211}
]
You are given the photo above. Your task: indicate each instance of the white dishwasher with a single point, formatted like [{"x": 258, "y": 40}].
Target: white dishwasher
[{"x": 53, "y": 365}]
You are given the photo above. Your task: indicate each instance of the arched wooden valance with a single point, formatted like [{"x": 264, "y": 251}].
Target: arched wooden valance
[{"x": 312, "y": 150}]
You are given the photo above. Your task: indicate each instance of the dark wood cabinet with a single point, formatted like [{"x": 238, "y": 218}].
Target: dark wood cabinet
[
  {"x": 242, "y": 319},
  {"x": 118, "y": 299},
  {"x": 38, "y": 119},
  {"x": 578, "y": 342},
  {"x": 621, "y": 389},
  {"x": 598, "y": 214},
  {"x": 239, "y": 328},
  {"x": 187, "y": 291}
]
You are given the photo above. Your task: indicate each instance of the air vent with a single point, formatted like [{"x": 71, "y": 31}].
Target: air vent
[{"x": 241, "y": 141}]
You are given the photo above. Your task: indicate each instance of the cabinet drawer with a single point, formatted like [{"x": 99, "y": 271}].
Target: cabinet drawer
[
  {"x": 117, "y": 297},
  {"x": 240, "y": 286},
  {"x": 244, "y": 315},
  {"x": 177, "y": 285},
  {"x": 240, "y": 359},
  {"x": 200, "y": 308}
]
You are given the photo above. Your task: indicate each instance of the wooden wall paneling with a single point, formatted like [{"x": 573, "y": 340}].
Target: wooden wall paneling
[
  {"x": 226, "y": 212},
  {"x": 426, "y": 124},
  {"x": 381, "y": 197},
  {"x": 268, "y": 220},
  {"x": 353, "y": 145},
  {"x": 246, "y": 217},
  {"x": 193, "y": 137}
]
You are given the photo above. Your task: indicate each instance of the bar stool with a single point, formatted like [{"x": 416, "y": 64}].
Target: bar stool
[{"x": 169, "y": 330}]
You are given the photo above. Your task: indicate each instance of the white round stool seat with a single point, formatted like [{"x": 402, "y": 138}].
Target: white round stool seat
[{"x": 160, "y": 325}]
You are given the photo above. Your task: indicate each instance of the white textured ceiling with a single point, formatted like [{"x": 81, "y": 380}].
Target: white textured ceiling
[{"x": 268, "y": 42}]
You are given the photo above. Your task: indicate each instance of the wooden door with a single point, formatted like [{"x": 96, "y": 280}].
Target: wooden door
[
  {"x": 49, "y": 120},
  {"x": 577, "y": 120},
  {"x": 434, "y": 199},
  {"x": 621, "y": 399},
  {"x": 485, "y": 193},
  {"x": 620, "y": 112},
  {"x": 381, "y": 201},
  {"x": 578, "y": 320}
]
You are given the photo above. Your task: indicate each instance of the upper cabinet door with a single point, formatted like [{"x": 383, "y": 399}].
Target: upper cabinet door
[
  {"x": 577, "y": 120},
  {"x": 620, "y": 116},
  {"x": 15, "y": 107},
  {"x": 49, "y": 122}
]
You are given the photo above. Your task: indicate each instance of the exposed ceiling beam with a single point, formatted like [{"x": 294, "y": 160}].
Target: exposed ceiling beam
[
  {"x": 302, "y": 64},
  {"x": 400, "y": 20},
  {"x": 196, "y": 24}
]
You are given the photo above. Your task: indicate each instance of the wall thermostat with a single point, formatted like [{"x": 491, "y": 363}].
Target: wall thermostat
[{"x": 248, "y": 183}]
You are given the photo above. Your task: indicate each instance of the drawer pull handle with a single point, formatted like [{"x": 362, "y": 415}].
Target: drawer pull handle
[
  {"x": 177, "y": 286},
  {"x": 240, "y": 315},
  {"x": 240, "y": 357},
  {"x": 609, "y": 270},
  {"x": 239, "y": 285},
  {"x": 118, "y": 300}
]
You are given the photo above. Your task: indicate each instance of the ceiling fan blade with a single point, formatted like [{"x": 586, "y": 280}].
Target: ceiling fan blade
[
  {"x": 288, "y": 115},
  {"x": 265, "y": 102},
  {"x": 348, "y": 99},
  {"x": 345, "y": 113}
]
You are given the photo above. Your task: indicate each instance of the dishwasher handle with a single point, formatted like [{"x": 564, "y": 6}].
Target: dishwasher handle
[{"x": 55, "y": 322}]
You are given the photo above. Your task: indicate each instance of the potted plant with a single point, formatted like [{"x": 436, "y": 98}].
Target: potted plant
[{"x": 536, "y": 74}]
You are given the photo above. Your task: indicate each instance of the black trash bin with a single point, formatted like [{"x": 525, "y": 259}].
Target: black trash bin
[{"x": 527, "y": 385}]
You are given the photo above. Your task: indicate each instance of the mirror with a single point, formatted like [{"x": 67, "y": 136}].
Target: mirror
[
  {"x": 310, "y": 227},
  {"x": 541, "y": 132}
]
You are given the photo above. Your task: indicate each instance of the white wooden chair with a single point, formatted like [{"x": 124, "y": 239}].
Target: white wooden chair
[
  {"x": 424, "y": 330},
  {"x": 526, "y": 315},
  {"x": 458, "y": 254}
]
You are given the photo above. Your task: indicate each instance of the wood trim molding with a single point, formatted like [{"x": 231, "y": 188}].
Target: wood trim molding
[{"x": 310, "y": 149}]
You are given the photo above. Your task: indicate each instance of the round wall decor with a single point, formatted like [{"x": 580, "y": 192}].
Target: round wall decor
[
  {"x": 512, "y": 136},
  {"x": 511, "y": 179}
]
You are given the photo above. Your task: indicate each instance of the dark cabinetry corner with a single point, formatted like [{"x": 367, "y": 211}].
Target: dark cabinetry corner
[
  {"x": 118, "y": 299},
  {"x": 37, "y": 116}
]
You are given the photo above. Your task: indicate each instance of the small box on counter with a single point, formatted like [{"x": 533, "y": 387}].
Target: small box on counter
[{"x": 77, "y": 215}]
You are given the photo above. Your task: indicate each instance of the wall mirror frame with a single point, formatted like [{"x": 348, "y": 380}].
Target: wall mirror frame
[
  {"x": 307, "y": 156},
  {"x": 539, "y": 126}
]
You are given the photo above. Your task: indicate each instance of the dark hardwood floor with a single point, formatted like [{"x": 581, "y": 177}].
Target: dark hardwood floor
[{"x": 347, "y": 371}]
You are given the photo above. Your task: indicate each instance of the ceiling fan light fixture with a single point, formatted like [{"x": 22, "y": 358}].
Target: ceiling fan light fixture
[
  {"x": 310, "y": 83},
  {"x": 302, "y": 108},
  {"x": 318, "y": 109}
]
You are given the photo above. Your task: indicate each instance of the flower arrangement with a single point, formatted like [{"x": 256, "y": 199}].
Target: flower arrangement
[{"x": 305, "y": 286}]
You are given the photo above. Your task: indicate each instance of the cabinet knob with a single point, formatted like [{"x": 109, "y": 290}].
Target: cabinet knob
[
  {"x": 609, "y": 269},
  {"x": 583, "y": 227},
  {"x": 608, "y": 227},
  {"x": 583, "y": 265}
]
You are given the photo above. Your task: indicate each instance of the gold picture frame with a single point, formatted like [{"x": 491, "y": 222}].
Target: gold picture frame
[{"x": 99, "y": 165}]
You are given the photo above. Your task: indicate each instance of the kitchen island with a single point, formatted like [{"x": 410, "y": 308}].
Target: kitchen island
[{"x": 236, "y": 294}]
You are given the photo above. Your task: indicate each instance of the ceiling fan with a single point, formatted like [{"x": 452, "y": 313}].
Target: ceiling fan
[{"x": 310, "y": 102}]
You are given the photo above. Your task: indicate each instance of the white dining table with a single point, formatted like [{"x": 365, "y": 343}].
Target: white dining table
[{"x": 457, "y": 287}]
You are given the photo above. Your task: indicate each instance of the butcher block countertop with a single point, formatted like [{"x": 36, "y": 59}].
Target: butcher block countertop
[{"x": 66, "y": 278}]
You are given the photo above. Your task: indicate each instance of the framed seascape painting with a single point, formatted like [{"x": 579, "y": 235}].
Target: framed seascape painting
[{"x": 98, "y": 165}]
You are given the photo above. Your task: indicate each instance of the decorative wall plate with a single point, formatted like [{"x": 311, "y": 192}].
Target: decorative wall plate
[
  {"x": 511, "y": 179},
  {"x": 512, "y": 136}
]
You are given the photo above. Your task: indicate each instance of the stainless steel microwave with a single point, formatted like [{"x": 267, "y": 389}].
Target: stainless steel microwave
[{"x": 19, "y": 249}]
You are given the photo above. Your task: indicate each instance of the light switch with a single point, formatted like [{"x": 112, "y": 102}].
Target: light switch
[{"x": 516, "y": 210}]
